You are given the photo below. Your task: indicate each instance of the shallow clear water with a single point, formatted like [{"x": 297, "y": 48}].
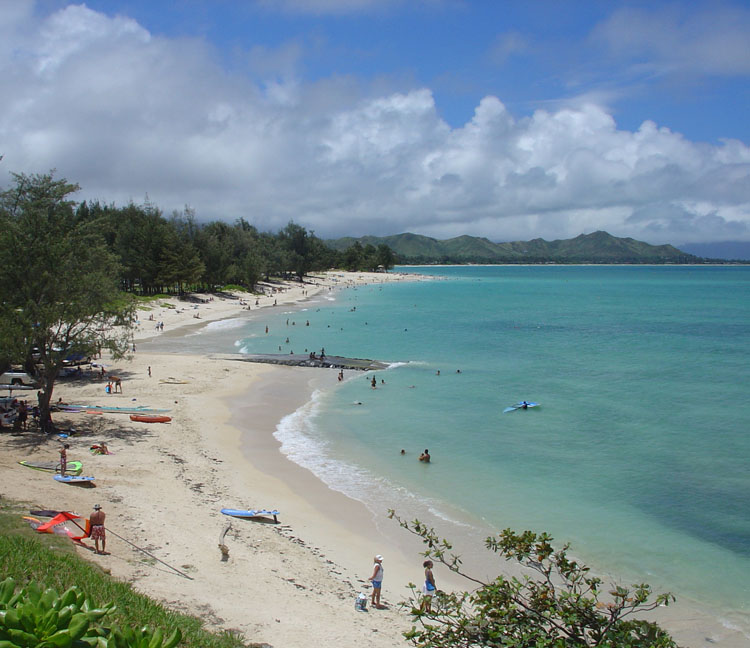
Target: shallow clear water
[{"x": 638, "y": 454}]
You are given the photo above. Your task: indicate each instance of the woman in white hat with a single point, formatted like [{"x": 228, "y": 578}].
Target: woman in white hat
[{"x": 377, "y": 581}]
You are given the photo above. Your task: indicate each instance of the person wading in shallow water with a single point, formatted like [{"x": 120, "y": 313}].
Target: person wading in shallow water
[{"x": 425, "y": 456}]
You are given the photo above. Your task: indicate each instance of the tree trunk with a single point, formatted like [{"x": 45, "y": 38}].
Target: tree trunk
[{"x": 45, "y": 396}]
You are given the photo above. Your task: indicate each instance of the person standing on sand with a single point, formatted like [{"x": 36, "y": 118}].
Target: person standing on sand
[
  {"x": 377, "y": 581},
  {"x": 64, "y": 458},
  {"x": 429, "y": 587},
  {"x": 97, "y": 528}
]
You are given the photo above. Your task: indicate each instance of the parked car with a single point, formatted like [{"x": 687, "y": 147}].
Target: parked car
[
  {"x": 75, "y": 359},
  {"x": 17, "y": 377}
]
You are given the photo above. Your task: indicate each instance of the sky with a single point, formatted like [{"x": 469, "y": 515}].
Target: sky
[{"x": 508, "y": 120}]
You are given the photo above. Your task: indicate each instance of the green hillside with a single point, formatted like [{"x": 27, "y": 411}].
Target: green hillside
[{"x": 598, "y": 247}]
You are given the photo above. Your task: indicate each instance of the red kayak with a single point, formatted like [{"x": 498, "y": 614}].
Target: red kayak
[{"x": 150, "y": 418}]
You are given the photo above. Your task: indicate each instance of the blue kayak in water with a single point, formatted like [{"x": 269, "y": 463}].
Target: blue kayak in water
[{"x": 521, "y": 405}]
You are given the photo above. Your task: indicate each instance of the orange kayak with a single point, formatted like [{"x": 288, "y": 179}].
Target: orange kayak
[{"x": 150, "y": 418}]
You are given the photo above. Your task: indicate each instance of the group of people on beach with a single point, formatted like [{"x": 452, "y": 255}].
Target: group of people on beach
[
  {"x": 16, "y": 413},
  {"x": 96, "y": 519},
  {"x": 428, "y": 588}
]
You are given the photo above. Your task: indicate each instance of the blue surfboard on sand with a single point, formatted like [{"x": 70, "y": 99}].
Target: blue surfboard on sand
[
  {"x": 519, "y": 406},
  {"x": 241, "y": 513},
  {"x": 72, "y": 479}
]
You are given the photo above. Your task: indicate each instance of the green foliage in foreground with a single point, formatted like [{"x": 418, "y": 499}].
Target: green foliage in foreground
[
  {"x": 558, "y": 607},
  {"x": 30, "y": 617},
  {"x": 51, "y": 562}
]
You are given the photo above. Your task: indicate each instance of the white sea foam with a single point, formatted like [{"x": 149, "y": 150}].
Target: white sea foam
[
  {"x": 303, "y": 444},
  {"x": 225, "y": 324}
]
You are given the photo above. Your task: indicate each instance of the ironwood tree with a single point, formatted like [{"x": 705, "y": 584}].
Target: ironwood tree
[{"x": 59, "y": 284}]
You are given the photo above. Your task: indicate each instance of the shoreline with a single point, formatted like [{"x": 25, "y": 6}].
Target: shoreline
[{"x": 286, "y": 584}]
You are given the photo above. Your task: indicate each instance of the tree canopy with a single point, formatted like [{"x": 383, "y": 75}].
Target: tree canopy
[
  {"x": 158, "y": 254},
  {"x": 59, "y": 282},
  {"x": 557, "y": 604}
]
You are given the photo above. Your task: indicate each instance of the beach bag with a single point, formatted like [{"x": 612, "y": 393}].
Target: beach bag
[{"x": 360, "y": 602}]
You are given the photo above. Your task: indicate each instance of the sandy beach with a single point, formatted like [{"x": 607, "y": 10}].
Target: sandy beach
[{"x": 288, "y": 584}]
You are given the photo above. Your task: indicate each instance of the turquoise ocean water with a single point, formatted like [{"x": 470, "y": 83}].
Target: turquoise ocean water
[{"x": 638, "y": 454}]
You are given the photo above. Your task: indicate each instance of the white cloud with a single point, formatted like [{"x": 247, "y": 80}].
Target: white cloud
[
  {"x": 127, "y": 114},
  {"x": 712, "y": 41}
]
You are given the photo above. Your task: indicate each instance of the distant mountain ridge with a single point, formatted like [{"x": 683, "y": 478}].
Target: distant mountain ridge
[{"x": 598, "y": 247}]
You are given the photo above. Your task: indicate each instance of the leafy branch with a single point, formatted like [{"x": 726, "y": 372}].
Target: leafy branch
[{"x": 558, "y": 606}]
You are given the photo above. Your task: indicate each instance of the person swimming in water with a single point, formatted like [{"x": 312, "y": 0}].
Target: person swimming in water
[{"x": 425, "y": 456}]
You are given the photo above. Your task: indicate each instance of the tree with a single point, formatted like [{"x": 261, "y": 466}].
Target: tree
[
  {"x": 299, "y": 246},
  {"x": 558, "y": 607},
  {"x": 386, "y": 257},
  {"x": 58, "y": 282}
]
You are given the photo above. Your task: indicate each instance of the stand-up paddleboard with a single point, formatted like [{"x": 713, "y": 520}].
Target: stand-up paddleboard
[
  {"x": 99, "y": 409},
  {"x": 250, "y": 514},
  {"x": 519, "y": 406},
  {"x": 72, "y": 479},
  {"x": 71, "y": 468}
]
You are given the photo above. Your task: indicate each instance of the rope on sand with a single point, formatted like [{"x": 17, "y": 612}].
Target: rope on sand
[
  {"x": 140, "y": 549},
  {"x": 149, "y": 554}
]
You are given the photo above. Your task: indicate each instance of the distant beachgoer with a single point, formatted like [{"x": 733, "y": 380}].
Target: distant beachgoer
[
  {"x": 108, "y": 388},
  {"x": 429, "y": 587},
  {"x": 23, "y": 414},
  {"x": 149, "y": 371},
  {"x": 100, "y": 448},
  {"x": 524, "y": 405},
  {"x": 98, "y": 532},
  {"x": 341, "y": 375},
  {"x": 64, "y": 458},
  {"x": 425, "y": 456},
  {"x": 437, "y": 373},
  {"x": 266, "y": 329},
  {"x": 377, "y": 581},
  {"x": 403, "y": 452},
  {"x": 374, "y": 383},
  {"x": 323, "y": 353}
]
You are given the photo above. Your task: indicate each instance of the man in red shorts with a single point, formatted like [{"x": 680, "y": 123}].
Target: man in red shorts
[{"x": 97, "y": 528}]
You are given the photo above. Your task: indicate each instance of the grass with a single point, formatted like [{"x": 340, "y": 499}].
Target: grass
[
  {"x": 234, "y": 288},
  {"x": 51, "y": 561}
]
